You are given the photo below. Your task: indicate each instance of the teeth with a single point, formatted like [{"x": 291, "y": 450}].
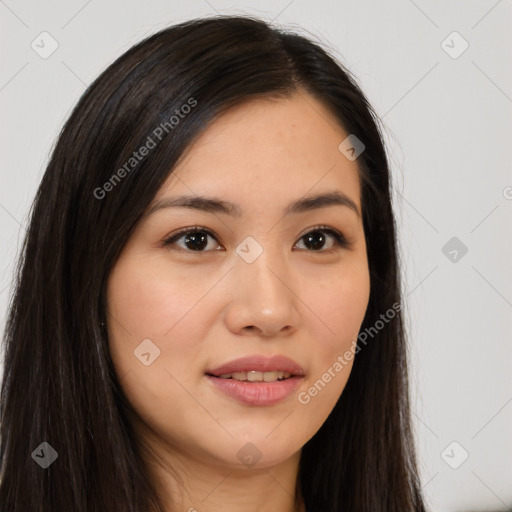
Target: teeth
[
  {"x": 251, "y": 376},
  {"x": 254, "y": 376}
]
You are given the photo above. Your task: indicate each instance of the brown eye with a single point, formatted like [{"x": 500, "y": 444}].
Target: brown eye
[
  {"x": 316, "y": 239},
  {"x": 194, "y": 239}
]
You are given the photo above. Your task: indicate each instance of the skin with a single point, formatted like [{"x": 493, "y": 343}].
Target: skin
[{"x": 202, "y": 309}]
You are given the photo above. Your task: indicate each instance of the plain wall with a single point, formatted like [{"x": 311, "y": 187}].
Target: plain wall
[{"x": 448, "y": 126}]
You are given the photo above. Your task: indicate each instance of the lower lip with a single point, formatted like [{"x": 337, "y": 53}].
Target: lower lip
[{"x": 256, "y": 393}]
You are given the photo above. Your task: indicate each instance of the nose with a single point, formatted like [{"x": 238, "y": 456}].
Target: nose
[{"x": 264, "y": 299}]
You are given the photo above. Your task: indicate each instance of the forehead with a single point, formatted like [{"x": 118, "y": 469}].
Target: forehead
[{"x": 267, "y": 150}]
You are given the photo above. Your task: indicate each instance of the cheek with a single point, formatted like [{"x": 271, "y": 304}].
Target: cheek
[
  {"x": 338, "y": 301},
  {"x": 144, "y": 305},
  {"x": 147, "y": 301},
  {"x": 338, "y": 307}
]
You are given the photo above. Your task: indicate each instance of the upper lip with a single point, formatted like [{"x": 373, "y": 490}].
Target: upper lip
[{"x": 259, "y": 363}]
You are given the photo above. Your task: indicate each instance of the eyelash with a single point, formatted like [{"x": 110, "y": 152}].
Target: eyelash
[{"x": 339, "y": 238}]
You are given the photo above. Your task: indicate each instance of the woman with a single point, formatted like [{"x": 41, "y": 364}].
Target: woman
[{"x": 207, "y": 308}]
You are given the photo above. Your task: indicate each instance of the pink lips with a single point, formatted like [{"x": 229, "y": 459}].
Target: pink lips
[
  {"x": 257, "y": 393},
  {"x": 259, "y": 364}
]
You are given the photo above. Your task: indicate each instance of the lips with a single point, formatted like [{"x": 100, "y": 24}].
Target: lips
[
  {"x": 256, "y": 394},
  {"x": 259, "y": 363},
  {"x": 255, "y": 391}
]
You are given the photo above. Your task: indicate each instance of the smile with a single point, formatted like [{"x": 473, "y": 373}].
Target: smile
[{"x": 256, "y": 376}]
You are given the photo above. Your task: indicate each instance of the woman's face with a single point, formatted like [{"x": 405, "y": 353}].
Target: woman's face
[{"x": 264, "y": 282}]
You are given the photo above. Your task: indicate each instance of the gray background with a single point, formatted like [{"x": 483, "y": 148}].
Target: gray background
[{"x": 448, "y": 129}]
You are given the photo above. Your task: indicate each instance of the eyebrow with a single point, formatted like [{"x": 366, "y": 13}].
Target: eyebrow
[{"x": 214, "y": 205}]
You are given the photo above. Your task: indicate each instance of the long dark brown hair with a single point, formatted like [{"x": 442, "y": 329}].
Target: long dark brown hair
[{"x": 59, "y": 385}]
